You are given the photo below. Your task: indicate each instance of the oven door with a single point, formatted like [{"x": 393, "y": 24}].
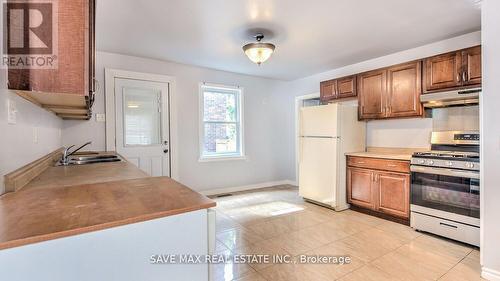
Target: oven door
[{"x": 449, "y": 190}]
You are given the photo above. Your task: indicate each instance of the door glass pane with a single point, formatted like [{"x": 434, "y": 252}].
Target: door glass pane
[
  {"x": 141, "y": 116},
  {"x": 220, "y": 138},
  {"x": 219, "y": 106}
]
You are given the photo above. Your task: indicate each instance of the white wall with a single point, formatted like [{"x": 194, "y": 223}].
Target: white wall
[
  {"x": 376, "y": 130},
  {"x": 395, "y": 133},
  {"x": 17, "y": 147},
  {"x": 490, "y": 141},
  {"x": 265, "y": 132}
]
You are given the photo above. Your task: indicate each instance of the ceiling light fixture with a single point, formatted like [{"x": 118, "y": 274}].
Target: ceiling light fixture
[{"x": 259, "y": 52}]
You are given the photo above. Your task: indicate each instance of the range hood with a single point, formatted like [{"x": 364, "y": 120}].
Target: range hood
[{"x": 451, "y": 98}]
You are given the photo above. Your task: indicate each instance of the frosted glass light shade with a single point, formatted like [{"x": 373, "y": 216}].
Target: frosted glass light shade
[{"x": 258, "y": 52}]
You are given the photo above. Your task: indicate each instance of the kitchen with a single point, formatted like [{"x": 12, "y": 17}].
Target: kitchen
[{"x": 267, "y": 138}]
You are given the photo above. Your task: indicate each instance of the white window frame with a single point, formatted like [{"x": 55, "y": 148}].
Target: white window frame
[{"x": 239, "y": 124}]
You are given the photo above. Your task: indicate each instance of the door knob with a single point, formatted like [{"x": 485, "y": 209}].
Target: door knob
[{"x": 165, "y": 151}]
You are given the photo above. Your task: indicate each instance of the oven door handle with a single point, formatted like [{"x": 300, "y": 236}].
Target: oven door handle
[{"x": 444, "y": 172}]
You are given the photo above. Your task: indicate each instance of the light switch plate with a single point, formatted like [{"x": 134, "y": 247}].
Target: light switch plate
[
  {"x": 11, "y": 112},
  {"x": 100, "y": 117}
]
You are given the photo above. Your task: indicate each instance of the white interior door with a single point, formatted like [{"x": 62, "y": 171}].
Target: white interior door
[{"x": 142, "y": 124}]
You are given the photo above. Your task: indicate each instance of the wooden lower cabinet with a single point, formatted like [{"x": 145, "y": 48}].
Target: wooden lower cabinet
[
  {"x": 385, "y": 192},
  {"x": 360, "y": 181},
  {"x": 393, "y": 194}
]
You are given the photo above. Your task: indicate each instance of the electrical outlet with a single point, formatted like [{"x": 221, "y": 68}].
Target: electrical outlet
[
  {"x": 11, "y": 112},
  {"x": 100, "y": 117}
]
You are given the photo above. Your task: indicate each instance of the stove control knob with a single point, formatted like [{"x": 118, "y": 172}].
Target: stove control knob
[
  {"x": 422, "y": 161},
  {"x": 449, "y": 163},
  {"x": 430, "y": 162},
  {"x": 469, "y": 165}
]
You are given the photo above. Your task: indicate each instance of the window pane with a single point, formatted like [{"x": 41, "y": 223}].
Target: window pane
[
  {"x": 219, "y": 106},
  {"x": 220, "y": 138},
  {"x": 142, "y": 119}
]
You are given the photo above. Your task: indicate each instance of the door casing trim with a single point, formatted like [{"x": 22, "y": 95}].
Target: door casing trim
[{"x": 110, "y": 75}]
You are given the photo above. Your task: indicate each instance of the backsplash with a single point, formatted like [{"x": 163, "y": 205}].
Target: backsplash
[
  {"x": 416, "y": 132},
  {"x": 456, "y": 118},
  {"x": 412, "y": 132}
]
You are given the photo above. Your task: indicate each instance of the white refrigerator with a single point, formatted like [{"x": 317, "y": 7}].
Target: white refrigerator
[{"x": 326, "y": 134}]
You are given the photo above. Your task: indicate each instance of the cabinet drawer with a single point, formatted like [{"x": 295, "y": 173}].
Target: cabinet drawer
[
  {"x": 379, "y": 164},
  {"x": 451, "y": 229}
]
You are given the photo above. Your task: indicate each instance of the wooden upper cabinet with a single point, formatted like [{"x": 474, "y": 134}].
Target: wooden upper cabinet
[
  {"x": 346, "y": 87},
  {"x": 471, "y": 60},
  {"x": 391, "y": 92},
  {"x": 327, "y": 90},
  {"x": 372, "y": 94},
  {"x": 75, "y": 54},
  {"x": 453, "y": 70},
  {"x": 393, "y": 192},
  {"x": 360, "y": 190},
  {"x": 443, "y": 71},
  {"x": 404, "y": 87},
  {"x": 340, "y": 88}
]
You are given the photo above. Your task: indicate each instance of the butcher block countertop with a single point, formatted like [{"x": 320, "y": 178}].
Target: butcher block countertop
[
  {"x": 86, "y": 174},
  {"x": 390, "y": 156},
  {"x": 65, "y": 201},
  {"x": 387, "y": 153}
]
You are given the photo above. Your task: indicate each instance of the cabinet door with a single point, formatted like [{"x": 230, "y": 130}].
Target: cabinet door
[
  {"x": 346, "y": 87},
  {"x": 443, "y": 72},
  {"x": 471, "y": 59},
  {"x": 393, "y": 194},
  {"x": 359, "y": 187},
  {"x": 372, "y": 88},
  {"x": 327, "y": 90},
  {"x": 404, "y": 89},
  {"x": 74, "y": 49}
]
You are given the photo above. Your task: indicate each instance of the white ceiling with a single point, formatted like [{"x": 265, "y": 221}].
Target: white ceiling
[{"x": 311, "y": 35}]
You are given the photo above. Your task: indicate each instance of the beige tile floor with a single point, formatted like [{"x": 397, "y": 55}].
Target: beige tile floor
[{"x": 277, "y": 221}]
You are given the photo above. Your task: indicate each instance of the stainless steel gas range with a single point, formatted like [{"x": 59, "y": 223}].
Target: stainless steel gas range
[{"x": 445, "y": 187}]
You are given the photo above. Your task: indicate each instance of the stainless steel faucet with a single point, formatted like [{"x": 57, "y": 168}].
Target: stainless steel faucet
[{"x": 66, "y": 153}]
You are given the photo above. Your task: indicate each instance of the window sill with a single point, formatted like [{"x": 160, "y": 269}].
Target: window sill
[{"x": 222, "y": 158}]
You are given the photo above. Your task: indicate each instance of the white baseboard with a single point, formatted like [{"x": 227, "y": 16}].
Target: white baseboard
[
  {"x": 245, "y": 187},
  {"x": 490, "y": 274}
]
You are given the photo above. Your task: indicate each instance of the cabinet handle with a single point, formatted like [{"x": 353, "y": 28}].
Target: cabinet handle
[
  {"x": 464, "y": 76},
  {"x": 458, "y": 77},
  {"x": 391, "y": 165},
  {"x": 360, "y": 162}
]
